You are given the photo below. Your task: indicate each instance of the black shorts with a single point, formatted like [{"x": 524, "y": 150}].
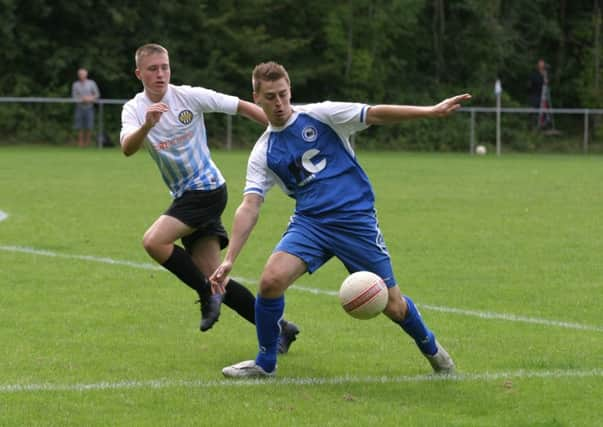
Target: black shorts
[{"x": 201, "y": 210}]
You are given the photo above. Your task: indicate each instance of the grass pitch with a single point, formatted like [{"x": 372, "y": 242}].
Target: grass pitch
[{"x": 502, "y": 256}]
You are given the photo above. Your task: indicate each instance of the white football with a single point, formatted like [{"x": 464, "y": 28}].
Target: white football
[
  {"x": 363, "y": 295},
  {"x": 480, "y": 150}
]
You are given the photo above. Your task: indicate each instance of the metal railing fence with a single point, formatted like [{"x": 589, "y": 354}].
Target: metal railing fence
[
  {"x": 101, "y": 102},
  {"x": 586, "y": 112},
  {"x": 472, "y": 111}
]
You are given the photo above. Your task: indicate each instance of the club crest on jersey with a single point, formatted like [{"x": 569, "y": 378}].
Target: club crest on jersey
[
  {"x": 185, "y": 117},
  {"x": 309, "y": 134}
]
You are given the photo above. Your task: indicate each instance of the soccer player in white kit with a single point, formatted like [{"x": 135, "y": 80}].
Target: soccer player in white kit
[
  {"x": 168, "y": 120},
  {"x": 306, "y": 151}
]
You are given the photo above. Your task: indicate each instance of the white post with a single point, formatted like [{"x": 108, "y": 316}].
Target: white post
[
  {"x": 586, "y": 133},
  {"x": 228, "y": 132},
  {"x": 472, "y": 132},
  {"x": 498, "y": 92},
  {"x": 101, "y": 126}
]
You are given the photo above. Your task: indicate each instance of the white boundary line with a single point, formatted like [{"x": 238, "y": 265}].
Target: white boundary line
[
  {"x": 471, "y": 313},
  {"x": 3, "y": 215},
  {"x": 102, "y": 260},
  {"x": 513, "y": 318},
  {"x": 345, "y": 380}
]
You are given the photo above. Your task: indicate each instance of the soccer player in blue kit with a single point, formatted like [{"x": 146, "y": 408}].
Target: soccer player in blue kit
[
  {"x": 306, "y": 151},
  {"x": 168, "y": 120}
]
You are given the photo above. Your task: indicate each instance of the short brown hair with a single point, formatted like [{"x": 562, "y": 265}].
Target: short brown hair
[
  {"x": 148, "y": 49},
  {"x": 268, "y": 72}
]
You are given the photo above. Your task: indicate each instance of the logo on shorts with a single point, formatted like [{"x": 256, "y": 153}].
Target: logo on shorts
[
  {"x": 185, "y": 117},
  {"x": 309, "y": 134}
]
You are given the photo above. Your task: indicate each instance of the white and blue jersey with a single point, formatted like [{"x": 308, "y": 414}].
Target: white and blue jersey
[
  {"x": 178, "y": 142},
  {"x": 312, "y": 160}
]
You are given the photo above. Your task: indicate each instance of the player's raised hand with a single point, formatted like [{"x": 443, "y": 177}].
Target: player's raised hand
[
  {"x": 449, "y": 105},
  {"x": 219, "y": 278},
  {"x": 154, "y": 113}
]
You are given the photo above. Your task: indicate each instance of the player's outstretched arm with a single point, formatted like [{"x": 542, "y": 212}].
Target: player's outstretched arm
[
  {"x": 253, "y": 112},
  {"x": 390, "y": 114},
  {"x": 246, "y": 216},
  {"x": 132, "y": 142}
]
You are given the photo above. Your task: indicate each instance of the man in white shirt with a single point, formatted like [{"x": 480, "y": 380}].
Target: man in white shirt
[{"x": 168, "y": 120}]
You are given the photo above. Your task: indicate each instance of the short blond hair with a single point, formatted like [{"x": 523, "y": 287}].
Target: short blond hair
[
  {"x": 148, "y": 49},
  {"x": 268, "y": 72}
]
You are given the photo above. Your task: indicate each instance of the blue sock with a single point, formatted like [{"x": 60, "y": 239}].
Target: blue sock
[
  {"x": 413, "y": 325},
  {"x": 268, "y": 313}
]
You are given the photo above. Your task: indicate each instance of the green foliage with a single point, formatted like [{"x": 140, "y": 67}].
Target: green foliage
[{"x": 374, "y": 51}]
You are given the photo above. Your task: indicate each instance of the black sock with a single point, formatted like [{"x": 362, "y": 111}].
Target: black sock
[
  {"x": 182, "y": 266},
  {"x": 241, "y": 300}
]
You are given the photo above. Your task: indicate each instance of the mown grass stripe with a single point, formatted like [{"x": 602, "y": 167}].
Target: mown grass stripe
[{"x": 463, "y": 312}]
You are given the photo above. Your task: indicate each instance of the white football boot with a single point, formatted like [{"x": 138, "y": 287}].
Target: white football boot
[
  {"x": 247, "y": 369},
  {"x": 441, "y": 362}
]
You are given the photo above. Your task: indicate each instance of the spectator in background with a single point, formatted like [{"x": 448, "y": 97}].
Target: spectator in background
[
  {"x": 85, "y": 92},
  {"x": 539, "y": 93},
  {"x": 538, "y": 78}
]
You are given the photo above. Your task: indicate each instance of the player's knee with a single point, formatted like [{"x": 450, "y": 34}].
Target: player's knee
[
  {"x": 149, "y": 243},
  {"x": 272, "y": 285}
]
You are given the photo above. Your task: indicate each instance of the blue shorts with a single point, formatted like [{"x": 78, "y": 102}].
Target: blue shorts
[
  {"x": 83, "y": 118},
  {"x": 359, "y": 245}
]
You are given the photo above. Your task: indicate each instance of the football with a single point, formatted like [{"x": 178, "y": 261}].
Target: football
[
  {"x": 363, "y": 295},
  {"x": 480, "y": 150}
]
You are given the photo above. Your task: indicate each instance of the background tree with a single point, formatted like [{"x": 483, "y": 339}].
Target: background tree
[{"x": 404, "y": 51}]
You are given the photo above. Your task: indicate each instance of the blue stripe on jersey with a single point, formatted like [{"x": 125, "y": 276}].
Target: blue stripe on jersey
[
  {"x": 172, "y": 169},
  {"x": 199, "y": 160},
  {"x": 362, "y": 114},
  {"x": 195, "y": 163},
  {"x": 211, "y": 177},
  {"x": 166, "y": 174},
  {"x": 181, "y": 163},
  {"x": 254, "y": 190}
]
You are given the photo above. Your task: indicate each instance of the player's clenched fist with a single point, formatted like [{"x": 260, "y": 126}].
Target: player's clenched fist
[{"x": 154, "y": 113}]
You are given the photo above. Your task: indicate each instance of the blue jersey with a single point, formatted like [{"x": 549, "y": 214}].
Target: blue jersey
[
  {"x": 178, "y": 142},
  {"x": 312, "y": 160}
]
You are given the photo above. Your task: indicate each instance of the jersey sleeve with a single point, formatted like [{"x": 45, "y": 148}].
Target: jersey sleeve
[
  {"x": 259, "y": 177},
  {"x": 210, "y": 101},
  {"x": 129, "y": 121},
  {"x": 346, "y": 118}
]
